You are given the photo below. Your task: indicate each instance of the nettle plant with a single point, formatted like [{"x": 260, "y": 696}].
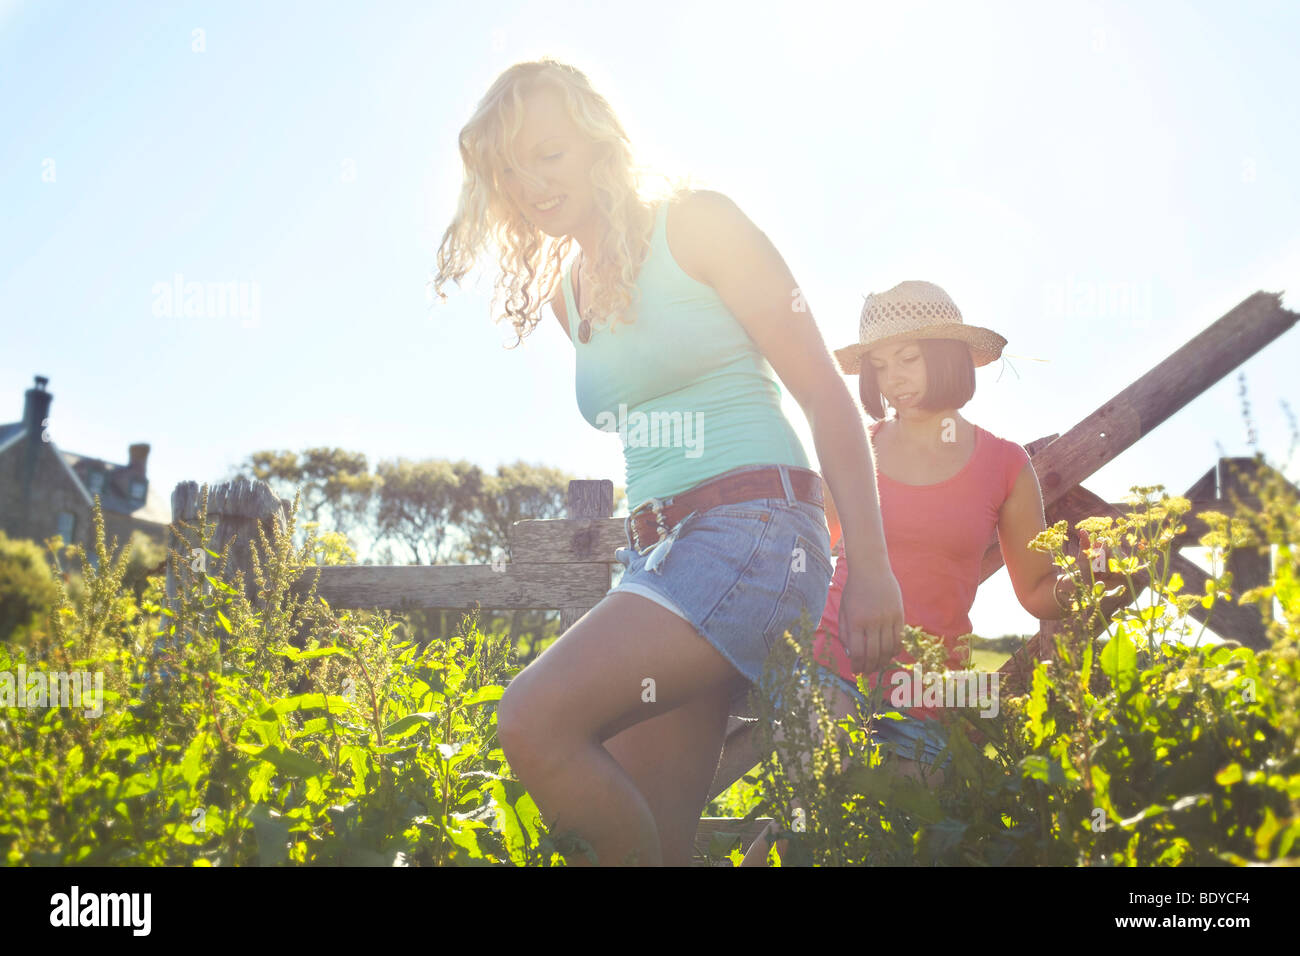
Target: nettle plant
[
  {"x": 1145, "y": 744},
  {"x": 235, "y": 734}
]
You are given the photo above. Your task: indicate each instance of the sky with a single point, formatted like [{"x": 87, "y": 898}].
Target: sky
[{"x": 1035, "y": 160}]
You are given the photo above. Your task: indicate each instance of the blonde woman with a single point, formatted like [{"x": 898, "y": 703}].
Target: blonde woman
[{"x": 680, "y": 314}]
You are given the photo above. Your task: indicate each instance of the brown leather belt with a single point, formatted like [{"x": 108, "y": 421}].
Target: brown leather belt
[{"x": 653, "y": 519}]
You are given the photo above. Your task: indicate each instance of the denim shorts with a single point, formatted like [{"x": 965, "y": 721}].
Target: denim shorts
[
  {"x": 899, "y": 737},
  {"x": 740, "y": 574}
]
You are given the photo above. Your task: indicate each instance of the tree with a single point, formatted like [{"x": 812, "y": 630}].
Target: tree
[
  {"x": 27, "y": 588},
  {"x": 421, "y": 502},
  {"x": 517, "y": 491},
  {"x": 330, "y": 478}
]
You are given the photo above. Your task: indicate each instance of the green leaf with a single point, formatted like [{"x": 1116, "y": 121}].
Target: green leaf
[
  {"x": 1264, "y": 835},
  {"x": 192, "y": 762},
  {"x": 484, "y": 695},
  {"x": 1228, "y": 775},
  {"x": 408, "y": 724},
  {"x": 332, "y": 703},
  {"x": 507, "y": 821},
  {"x": 271, "y": 832},
  {"x": 1037, "y": 705},
  {"x": 135, "y": 785},
  {"x": 296, "y": 655},
  {"x": 217, "y": 584},
  {"x": 1119, "y": 660},
  {"x": 290, "y": 762},
  {"x": 465, "y": 838},
  {"x": 393, "y": 748}
]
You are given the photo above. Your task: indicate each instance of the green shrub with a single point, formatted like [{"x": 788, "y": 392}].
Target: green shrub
[
  {"x": 1142, "y": 746},
  {"x": 27, "y": 589},
  {"x": 234, "y": 734}
]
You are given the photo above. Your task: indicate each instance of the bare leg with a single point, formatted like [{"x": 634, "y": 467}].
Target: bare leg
[
  {"x": 587, "y": 688},
  {"x": 671, "y": 760}
]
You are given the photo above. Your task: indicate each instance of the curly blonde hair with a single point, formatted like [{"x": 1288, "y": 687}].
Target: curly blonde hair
[{"x": 531, "y": 262}]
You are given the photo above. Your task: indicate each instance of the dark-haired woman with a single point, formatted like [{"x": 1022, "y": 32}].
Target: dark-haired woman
[{"x": 945, "y": 486}]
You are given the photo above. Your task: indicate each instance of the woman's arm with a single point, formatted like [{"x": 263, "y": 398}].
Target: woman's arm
[
  {"x": 832, "y": 516},
  {"x": 1033, "y": 576},
  {"x": 716, "y": 243},
  {"x": 1040, "y": 586}
]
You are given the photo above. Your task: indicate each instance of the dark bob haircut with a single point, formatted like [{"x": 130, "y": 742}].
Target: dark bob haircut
[{"x": 949, "y": 378}]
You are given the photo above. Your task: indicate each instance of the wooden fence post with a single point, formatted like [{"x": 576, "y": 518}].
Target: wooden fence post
[
  {"x": 594, "y": 500},
  {"x": 236, "y": 508}
]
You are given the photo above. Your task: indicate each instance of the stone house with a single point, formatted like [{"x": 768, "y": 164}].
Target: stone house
[{"x": 46, "y": 491}]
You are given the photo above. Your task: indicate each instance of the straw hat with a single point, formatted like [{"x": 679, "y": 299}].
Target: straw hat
[{"x": 916, "y": 310}]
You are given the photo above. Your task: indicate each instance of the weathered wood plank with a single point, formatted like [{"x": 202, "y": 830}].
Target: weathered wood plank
[
  {"x": 1162, "y": 391},
  {"x": 524, "y": 586},
  {"x": 591, "y": 498},
  {"x": 234, "y": 510},
  {"x": 1143, "y": 405},
  {"x": 592, "y": 502},
  {"x": 1241, "y": 623},
  {"x": 1236, "y": 621},
  {"x": 1038, "y": 444},
  {"x": 566, "y": 540}
]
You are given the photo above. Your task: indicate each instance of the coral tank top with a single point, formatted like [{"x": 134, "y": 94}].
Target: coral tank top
[{"x": 936, "y": 536}]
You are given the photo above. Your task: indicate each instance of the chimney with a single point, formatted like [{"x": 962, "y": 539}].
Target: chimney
[
  {"x": 36, "y": 408},
  {"x": 139, "y": 456}
]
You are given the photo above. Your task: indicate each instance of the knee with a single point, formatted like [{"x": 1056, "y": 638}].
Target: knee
[
  {"x": 512, "y": 724},
  {"x": 522, "y": 731}
]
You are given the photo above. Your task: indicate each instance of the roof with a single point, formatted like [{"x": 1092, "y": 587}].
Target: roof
[
  {"x": 10, "y": 431},
  {"x": 156, "y": 506}
]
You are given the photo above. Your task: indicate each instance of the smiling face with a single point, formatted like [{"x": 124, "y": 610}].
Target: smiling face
[
  {"x": 548, "y": 180},
  {"x": 900, "y": 371}
]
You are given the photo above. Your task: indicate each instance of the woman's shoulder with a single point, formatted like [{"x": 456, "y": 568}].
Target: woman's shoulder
[
  {"x": 1004, "y": 459},
  {"x": 1003, "y": 446},
  {"x": 704, "y": 203},
  {"x": 701, "y": 224}
]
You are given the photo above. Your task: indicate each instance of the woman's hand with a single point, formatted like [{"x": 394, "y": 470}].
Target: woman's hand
[
  {"x": 1113, "y": 581},
  {"x": 871, "y": 618}
]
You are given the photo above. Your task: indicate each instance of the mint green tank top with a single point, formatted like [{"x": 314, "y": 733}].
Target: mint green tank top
[{"x": 684, "y": 386}]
